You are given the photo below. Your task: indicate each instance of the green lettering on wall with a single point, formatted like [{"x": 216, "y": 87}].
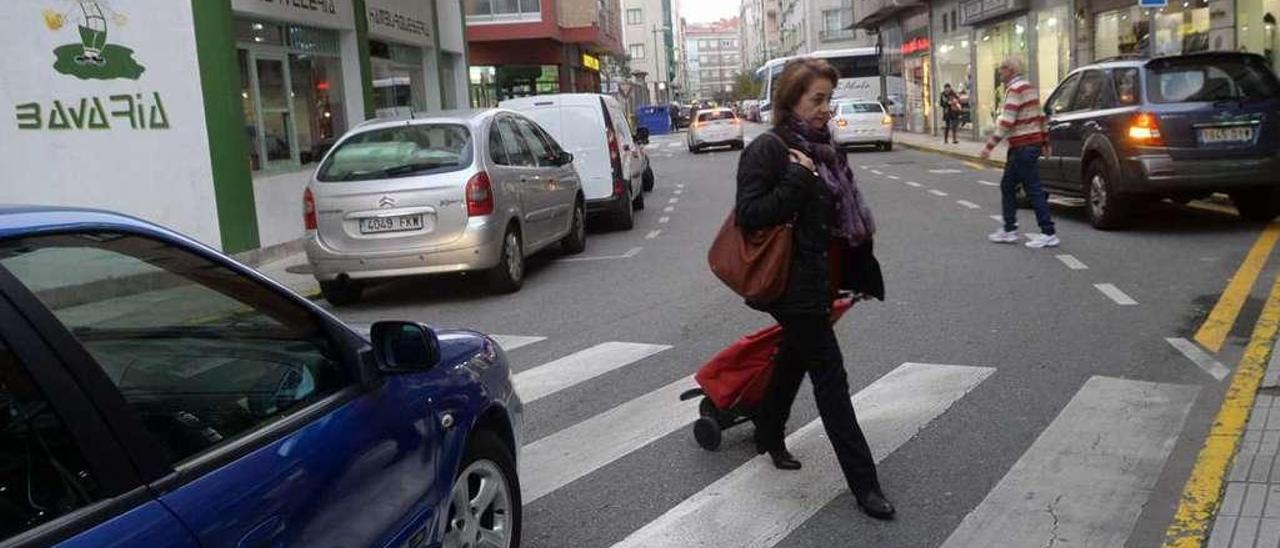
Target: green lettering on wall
[
  {"x": 58, "y": 118},
  {"x": 126, "y": 111},
  {"x": 159, "y": 120},
  {"x": 77, "y": 115},
  {"x": 28, "y": 116},
  {"x": 98, "y": 116}
]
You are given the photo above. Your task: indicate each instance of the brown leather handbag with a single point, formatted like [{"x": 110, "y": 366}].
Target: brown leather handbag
[{"x": 754, "y": 264}]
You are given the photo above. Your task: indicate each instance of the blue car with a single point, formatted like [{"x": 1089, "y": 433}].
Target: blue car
[
  {"x": 1127, "y": 130},
  {"x": 155, "y": 393}
]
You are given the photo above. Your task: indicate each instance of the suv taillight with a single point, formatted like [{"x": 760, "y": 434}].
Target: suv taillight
[
  {"x": 1144, "y": 129},
  {"x": 479, "y": 195},
  {"x": 309, "y": 210}
]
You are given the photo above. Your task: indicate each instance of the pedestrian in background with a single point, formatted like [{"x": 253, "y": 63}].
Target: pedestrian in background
[
  {"x": 795, "y": 174},
  {"x": 950, "y": 102},
  {"x": 1023, "y": 121}
]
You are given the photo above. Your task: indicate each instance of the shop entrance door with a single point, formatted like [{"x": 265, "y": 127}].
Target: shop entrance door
[{"x": 273, "y": 108}]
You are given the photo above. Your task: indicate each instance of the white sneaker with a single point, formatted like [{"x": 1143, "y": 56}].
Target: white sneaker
[
  {"x": 1003, "y": 237},
  {"x": 1037, "y": 241}
]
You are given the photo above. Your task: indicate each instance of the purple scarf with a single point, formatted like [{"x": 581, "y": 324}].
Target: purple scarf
[{"x": 853, "y": 216}]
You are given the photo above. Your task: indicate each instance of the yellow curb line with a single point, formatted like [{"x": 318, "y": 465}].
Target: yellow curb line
[
  {"x": 1203, "y": 492},
  {"x": 1213, "y": 332}
]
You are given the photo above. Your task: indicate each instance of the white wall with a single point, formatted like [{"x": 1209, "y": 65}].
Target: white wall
[{"x": 162, "y": 175}]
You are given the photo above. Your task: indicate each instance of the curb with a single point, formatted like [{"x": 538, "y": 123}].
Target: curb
[{"x": 997, "y": 164}]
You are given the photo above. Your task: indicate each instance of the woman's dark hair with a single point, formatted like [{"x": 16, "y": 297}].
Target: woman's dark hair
[{"x": 796, "y": 77}]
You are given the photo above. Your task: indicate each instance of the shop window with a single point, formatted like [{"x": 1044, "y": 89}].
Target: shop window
[
  {"x": 1053, "y": 52},
  {"x": 1119, "y": 32}
]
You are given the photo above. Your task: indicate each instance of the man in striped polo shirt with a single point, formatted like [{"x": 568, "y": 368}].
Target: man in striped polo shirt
[{"x": 1023, "y": 122}]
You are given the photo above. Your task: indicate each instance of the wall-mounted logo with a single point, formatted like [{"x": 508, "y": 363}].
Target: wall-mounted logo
[{"x": 93, "y": 57}]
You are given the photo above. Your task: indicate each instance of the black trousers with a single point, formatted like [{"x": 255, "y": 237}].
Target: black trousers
[
  {"x": 809, "y": 345},
  {"x": 951, "y": 126}
]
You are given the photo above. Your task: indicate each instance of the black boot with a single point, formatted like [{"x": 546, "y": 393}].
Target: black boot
[
  {"x": 874, "y": 504},
  {"x": 782, "y": 459}
]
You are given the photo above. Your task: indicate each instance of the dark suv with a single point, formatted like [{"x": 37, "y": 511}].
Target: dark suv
[{"x": 1183, "y": 127}]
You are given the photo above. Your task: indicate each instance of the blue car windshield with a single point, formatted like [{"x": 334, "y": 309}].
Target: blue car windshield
[{"x": 1211, "y": 80}]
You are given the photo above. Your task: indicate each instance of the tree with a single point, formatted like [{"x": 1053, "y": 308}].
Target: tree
[{"x": 745, "y": 86}]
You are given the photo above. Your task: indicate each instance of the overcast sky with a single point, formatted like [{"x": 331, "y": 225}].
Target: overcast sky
[{"x": 702, "y": 11}]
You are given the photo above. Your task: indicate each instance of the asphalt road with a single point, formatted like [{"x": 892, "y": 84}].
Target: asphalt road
[{"x": 1038, "y": 328}]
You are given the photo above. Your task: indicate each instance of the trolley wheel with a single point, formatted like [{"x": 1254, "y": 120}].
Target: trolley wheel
[
  {"x": 706, "y": 408},
  {"x": 707, "y": 432}
]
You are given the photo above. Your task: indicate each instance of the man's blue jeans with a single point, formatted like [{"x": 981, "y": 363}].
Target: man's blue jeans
[{"x": 1023, "y": 168}]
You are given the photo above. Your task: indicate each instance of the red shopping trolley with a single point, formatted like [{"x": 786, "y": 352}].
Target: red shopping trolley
[{"x": 733, "y": 383}]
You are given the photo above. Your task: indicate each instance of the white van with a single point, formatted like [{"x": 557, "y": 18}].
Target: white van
[{"x": 609, "y": 160}]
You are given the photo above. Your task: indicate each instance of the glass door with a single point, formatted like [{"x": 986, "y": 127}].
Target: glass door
[{"x": 270, "y": 78}]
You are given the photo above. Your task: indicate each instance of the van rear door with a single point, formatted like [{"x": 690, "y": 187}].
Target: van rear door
[{"x": 579, "y": 128}]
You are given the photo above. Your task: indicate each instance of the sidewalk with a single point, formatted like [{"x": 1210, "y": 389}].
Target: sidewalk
[
  {"x": 964, "y": 150},
  {"x": 1250, "y": 512},
  {"x": 292, "y": 271}
]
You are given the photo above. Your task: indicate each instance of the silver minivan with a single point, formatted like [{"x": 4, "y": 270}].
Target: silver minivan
[{"x": 453, "y": 192}]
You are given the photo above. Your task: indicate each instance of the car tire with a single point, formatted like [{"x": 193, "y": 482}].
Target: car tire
[
  {"x": 341, "y": 292},
  {"x": 625, "y": 217},
  {"x": 1257, "y": 206},
  {"x": 739, "y": 145},
  {"x": 487, "y": 458},
  {"x": 887, "y": 146},
  {"x": 1105, "y": 208},
  {"x": 648, "y": 179},
  {"x": 576, "y": 241},
  {"x": 638, "y": 202},
  {"x": 508, "y": 275}
]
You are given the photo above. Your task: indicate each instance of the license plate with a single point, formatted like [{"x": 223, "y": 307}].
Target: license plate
[
  {"x": 403, "y": 223},
  {"x": 1216, "y": 135}
]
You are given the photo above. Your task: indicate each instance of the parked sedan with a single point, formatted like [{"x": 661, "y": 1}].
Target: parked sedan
[
  {"x": 715, "y": 127},
  {"x": 154, "y": 392},
  {"x": 458, "y": 191},
  {"x": 1181, "y": 127},
  {"x": 861, "y": 123}
]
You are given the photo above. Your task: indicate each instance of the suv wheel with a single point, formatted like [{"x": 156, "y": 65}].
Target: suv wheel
[
  {"x": 638, "y": 203},
  {"x": 1257, "y": 205},
  {"x": 1106, "y": 209},
  {"x": 484, "y": 504},
  {"x": 508, "y": 276},
  {"x": 648, "y": 179},
  {"x": 341, "y": 292}
]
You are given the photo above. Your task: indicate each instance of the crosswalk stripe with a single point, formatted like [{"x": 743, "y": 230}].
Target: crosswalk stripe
[
  {"x": 1088, "y": 475},
  {"x": 512, "y": 342},
  {"x": 1112, "y": 292},
  {"x": 988, "y": 183},
  {"x": 557, "y": 460},
  {"x": 756, "y": 506},
  {"x": 937, "y": 193},
  {"x": 581, "y": 366},
  {"x": 968, "y": 204},
  {"x": 674, "y": 145},
  {"x": 914, "y": 184}
]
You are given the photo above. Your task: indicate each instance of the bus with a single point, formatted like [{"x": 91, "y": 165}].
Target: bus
[{"x": 859, "y": 70}]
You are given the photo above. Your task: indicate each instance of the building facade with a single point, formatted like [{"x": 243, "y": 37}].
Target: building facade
[
  {"x": 519, "y": 48},
  {"x": 960, "y": 42},
  {"x": 209, "y": 116},
  {"x": 814, "y": 25},
  {"x": 650, "y": 32},
  {"x": 759, "y": 32},
  {"x": 714, "y": 58}
]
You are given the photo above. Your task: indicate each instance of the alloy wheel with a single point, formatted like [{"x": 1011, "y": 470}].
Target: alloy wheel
[{"x": 479, "y": 509}]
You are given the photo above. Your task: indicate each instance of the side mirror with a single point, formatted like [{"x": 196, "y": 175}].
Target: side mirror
[
  {"x": 405, "y": 346},
  {"x": 565, "y": 158},
  {"x": 642, "y": 135}
]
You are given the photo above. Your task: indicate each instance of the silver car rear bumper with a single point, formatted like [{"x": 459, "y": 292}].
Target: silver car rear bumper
[{"x": 479, "y": 248}]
